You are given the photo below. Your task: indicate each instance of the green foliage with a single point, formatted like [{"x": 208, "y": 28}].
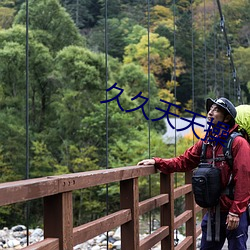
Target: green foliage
[
  {"x": 13, "y": 148},
  {"x": 53, "y": 25},
  {"x": 12, "y": 59},
  {"x": 42, "y": 162},
  {"x": 6, "y": 17},
  {"x": 242, "y": 63},
  {"x": 118, "y": 31},
  {"x": 84, "y": 13},
  {"x": 161, "y": 54}
]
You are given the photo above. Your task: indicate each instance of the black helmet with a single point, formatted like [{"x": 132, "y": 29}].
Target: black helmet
[{"x": 223, "y": 103}]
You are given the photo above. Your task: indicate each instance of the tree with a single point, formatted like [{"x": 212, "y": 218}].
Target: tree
[
  {"x": 161, "y": 16},
  {"x": 6, "y": 17},
  {"x": 40, "y": 60},
  {"x": 117, "y": 32},
  {"x": 242, "y": 64},
  {"x": 161, "y": 57},
  {"x": 84, "y": 13},
  {"x": 53, "y": 25}
]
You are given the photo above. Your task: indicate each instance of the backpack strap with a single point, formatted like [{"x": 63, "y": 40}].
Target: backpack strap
[
  {"x": 203, "y": 152},
  {"x": 203, "y": 155},
  {"x": 227, "y": 150}
]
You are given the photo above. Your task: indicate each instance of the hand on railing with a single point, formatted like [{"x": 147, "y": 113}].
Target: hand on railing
[{"x": 146, "y": 162}]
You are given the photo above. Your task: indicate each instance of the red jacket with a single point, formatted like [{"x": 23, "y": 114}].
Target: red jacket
[{"x": 241, "y": 169}]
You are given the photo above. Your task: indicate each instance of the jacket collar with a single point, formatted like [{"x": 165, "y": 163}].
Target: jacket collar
[{"x": 231, "y": 130}]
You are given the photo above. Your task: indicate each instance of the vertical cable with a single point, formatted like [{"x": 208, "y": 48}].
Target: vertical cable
[
  {"x": 205, "y": 52},
  {"x": 174, "y": 74},
  {"x": 230, "y": 57},
  {"x": 77, "y": 13},
  {"x": 215, "y": 52},
  {"x": 223, "y": 74},
  {"x": 229, "y": 83},
  {"x": 106, "y": 81},
  {"x": 149, "y": 122},
  {"x": 235, "y": 89},
  {"x": 27, "y": 207},
  {"x": 221, "y": 60},
  {"x": 175, "y": 95},
  {"x": 192, "y": 77}
]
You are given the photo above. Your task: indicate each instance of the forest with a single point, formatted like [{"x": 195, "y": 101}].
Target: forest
[{"x": 56, "y": 68}]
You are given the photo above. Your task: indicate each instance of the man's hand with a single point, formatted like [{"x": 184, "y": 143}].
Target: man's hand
[
  {"x": 146, "y": 162},
  {"x": 232, "y": 221}
]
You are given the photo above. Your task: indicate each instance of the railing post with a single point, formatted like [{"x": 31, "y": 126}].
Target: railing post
[
  {"x": 129, "y": 198},
  {"x": 190, "y": 205},
  {"x": 167, "y": 210},
  {"x": 58, "y": 219}
]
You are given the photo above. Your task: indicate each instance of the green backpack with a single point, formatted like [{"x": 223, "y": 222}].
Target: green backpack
[{"x": 243, "y": 118}]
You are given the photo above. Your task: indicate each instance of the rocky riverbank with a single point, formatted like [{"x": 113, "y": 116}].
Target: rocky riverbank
[{"x": 16, "y": 238}]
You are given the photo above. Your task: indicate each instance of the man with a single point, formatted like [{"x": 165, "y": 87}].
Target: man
[{"x": 233, "y": 212}]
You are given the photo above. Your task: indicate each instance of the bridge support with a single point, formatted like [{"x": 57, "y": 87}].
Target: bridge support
[
  {"x": 190, "y": 205},
  {"x": 58, "y": 219},
  {"x": 130, "y": 199},
  {"x": 167, "y": 210}
]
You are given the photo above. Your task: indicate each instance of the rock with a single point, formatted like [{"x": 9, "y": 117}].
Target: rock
[
  {"x": 18, "y": 228},
  {"x": 117, "y": 244},
  {"x": 95, "y": 248},
  {"x": 13, "y": 243},
  {"x": 81, "y": 246},
  {"x": 117, "y": 234},
  {"x": 100, "y": 238},
  {"x": 111, "y": 233},
  {"x": 23, "y": 240},
  {"x": 18, "y": 247},
  {"x": 38, "y": 232},
  {"x": 111, "y": 239},
  {"x": 3, "y": 233},
  {"x": 103, "y": 243},
  {"x": 91, "y": 242},
  {"x": 16, "y": 238}
]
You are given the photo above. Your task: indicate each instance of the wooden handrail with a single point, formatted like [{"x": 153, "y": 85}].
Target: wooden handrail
[{"x": 58, "y": 208}]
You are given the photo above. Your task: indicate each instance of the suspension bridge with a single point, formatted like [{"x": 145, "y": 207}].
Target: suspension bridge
[{"x": 56, "y": 192}]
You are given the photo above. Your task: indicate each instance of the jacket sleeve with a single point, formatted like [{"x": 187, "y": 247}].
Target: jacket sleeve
[
  {"x": 185, "y": 162},
  {"x": 241, "y": 175}
]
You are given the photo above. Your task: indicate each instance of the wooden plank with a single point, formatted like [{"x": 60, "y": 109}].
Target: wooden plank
[
  {"x": 167, "y": 210},
  {"x": 90, "y": 230},
  {"x": 198, "y": 231},
  {"x": 46, "y": 244},
  {"x": 178, "y": 192},
  {"x": 198, "y": 209},
  {"x": 154, "y": 238},
  {"x": 24, "y": 190},
  {"x": 182, "y": 218},
  {"x": 98, "y": 177},
  {"x": 58, "y": 219},
  {"x": 190, "y": 205},
  {"x": 129, "y": 195},
  {"x": 152, "y": 203},
  {"x": 185, "y": 244}
]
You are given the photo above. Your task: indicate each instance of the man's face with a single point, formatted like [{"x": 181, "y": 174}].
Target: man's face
[{"x": 217, "y": 113}]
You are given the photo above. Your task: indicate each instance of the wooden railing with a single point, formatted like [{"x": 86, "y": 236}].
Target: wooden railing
[{"x": 59, "y": 232}]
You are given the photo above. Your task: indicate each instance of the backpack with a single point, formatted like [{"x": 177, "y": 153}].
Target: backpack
[
  {"x": 206, "y": 185},
  {"x": 206, "y": 179}
]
